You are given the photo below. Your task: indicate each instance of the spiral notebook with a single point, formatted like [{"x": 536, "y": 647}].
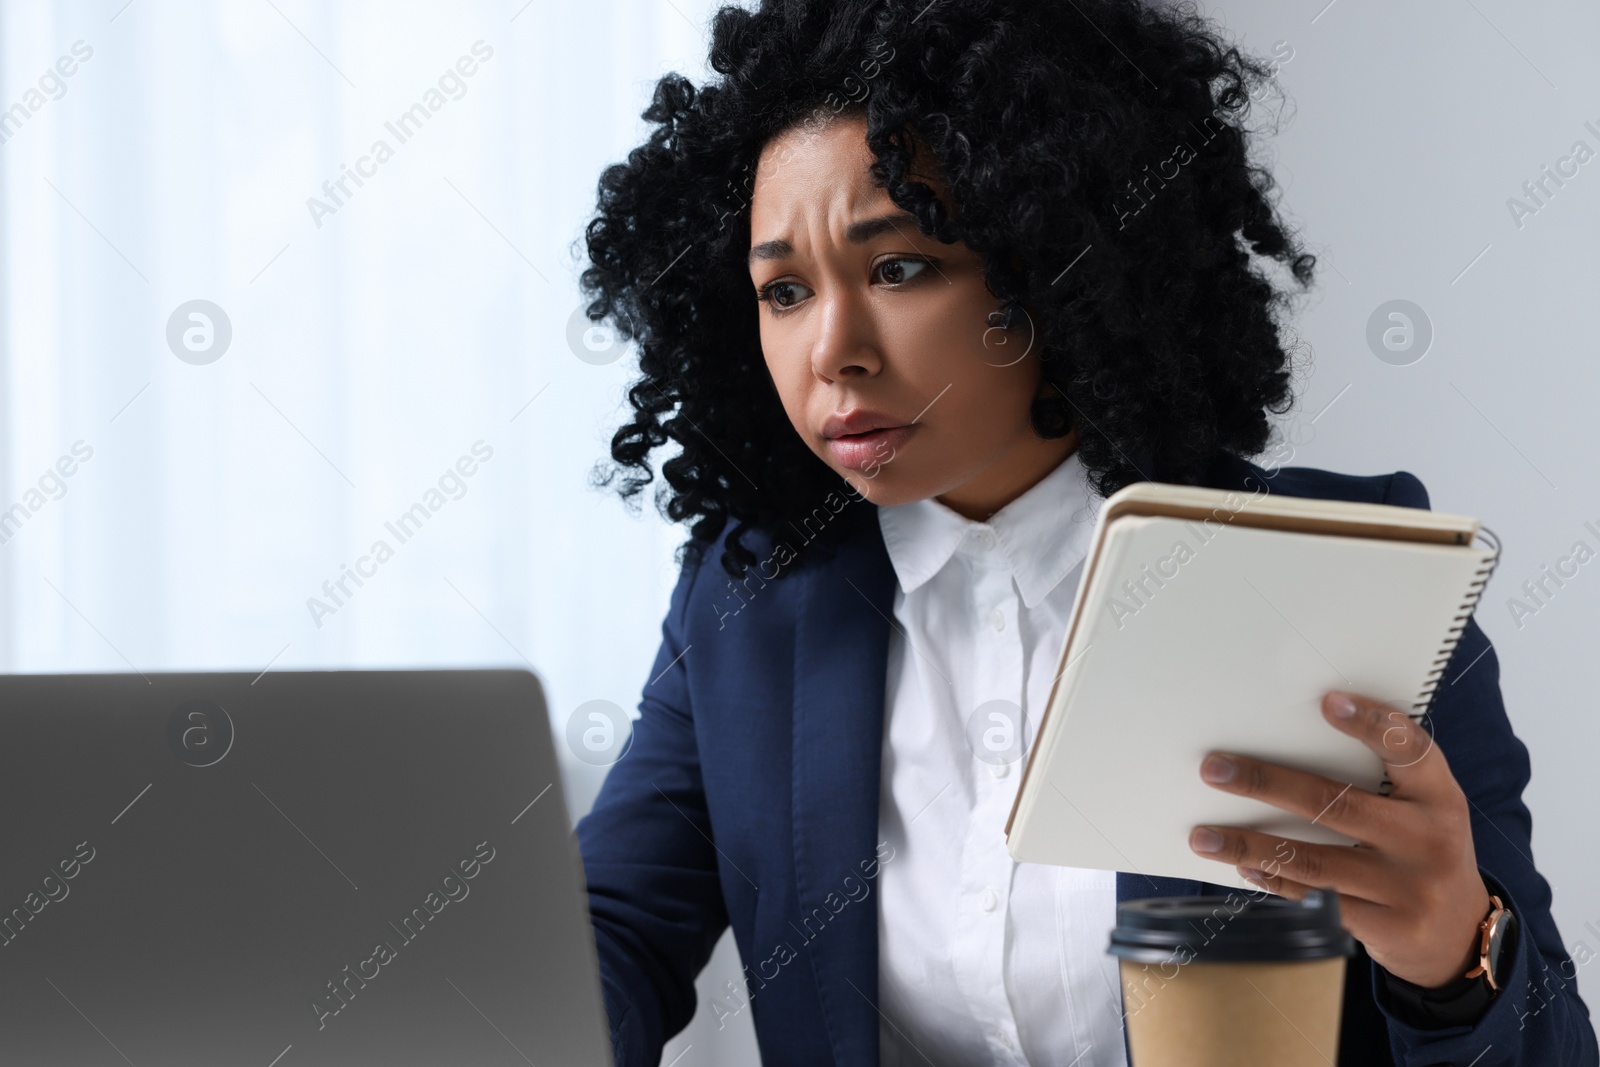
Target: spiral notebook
[{"x": 1215, "y": 620}]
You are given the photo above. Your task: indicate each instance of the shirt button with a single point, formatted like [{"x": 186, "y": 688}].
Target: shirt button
[
  {"x": 983, "y": 537},
  {"x": 1005, "y": 1038},
  {"x": 988, "y": 899},
  {"x": 997, "y": 619},
  {"x": 999, "y": 770}
]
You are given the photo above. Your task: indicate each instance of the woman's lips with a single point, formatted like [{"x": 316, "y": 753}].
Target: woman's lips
[{"x": 859, "y": 451}]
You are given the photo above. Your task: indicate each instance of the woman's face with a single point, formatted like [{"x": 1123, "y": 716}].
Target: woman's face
[{"x": 878, "y": 338}]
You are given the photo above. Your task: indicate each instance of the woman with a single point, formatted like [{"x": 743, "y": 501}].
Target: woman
[{"x": 914, "y": 287}]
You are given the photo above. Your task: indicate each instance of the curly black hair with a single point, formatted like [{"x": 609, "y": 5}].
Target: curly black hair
[{"x": 1098, "y": 157}]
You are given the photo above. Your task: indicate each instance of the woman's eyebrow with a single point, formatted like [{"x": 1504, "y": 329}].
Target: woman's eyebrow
[{"x": 856, "y": 233}]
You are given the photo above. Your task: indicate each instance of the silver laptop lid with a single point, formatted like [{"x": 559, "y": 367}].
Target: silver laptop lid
[{"x": 315, "y": 868}]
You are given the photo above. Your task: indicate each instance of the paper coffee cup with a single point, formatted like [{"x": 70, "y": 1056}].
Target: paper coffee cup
[{"x": 1218, "y": 981}]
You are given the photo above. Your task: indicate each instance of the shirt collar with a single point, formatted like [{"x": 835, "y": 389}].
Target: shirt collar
[{"x": 1042, "y": 535}]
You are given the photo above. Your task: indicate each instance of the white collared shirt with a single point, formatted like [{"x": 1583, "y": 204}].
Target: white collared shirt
[{"x": 983, "y": 959}]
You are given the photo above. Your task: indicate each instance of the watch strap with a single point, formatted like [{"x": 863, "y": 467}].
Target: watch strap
[{"x": 1460, "y": 1003}]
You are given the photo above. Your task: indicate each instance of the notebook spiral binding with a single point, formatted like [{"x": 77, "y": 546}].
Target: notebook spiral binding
[{"x": 1458, "y": 625}]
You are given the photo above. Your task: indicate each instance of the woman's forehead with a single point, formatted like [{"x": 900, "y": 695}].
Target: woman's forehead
[{"x": 819, "y": 169}]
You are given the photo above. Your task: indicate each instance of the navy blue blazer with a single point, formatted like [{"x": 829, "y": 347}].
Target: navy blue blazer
[{"x": 749, "y": 797}]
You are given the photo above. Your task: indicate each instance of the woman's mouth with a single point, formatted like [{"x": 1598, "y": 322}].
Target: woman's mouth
[{"x": 870, "y": 450}]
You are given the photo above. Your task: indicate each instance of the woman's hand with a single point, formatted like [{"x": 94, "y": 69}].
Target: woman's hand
[{"x": 1410, "y": 891}]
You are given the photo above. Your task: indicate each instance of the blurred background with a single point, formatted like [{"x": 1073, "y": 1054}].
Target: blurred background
[{"x": 258, "y": 339}]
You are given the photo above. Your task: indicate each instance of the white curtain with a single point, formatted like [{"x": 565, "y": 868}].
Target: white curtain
[{"x": 399, "y": 337}]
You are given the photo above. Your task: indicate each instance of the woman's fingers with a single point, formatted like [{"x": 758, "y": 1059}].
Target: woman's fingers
[
  {"x": 1328, "y": 802},
  {"x": 1338, "y": 867},
  {"x": 1413, "y": 762},
  {"x": 1361, "y": 918}
]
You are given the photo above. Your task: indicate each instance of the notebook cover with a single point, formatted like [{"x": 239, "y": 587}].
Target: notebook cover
[{"x": 1190, "y": 637}]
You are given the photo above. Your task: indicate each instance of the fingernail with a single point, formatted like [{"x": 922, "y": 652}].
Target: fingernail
[
  {"x": 1205, "y": 839},
  {"x": 1342, "y": 706},
  {"x": 1253, "y": 875},
  {"x": 1218, "y": 769}
]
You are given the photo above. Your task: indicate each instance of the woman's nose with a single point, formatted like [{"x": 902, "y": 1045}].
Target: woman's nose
[{"x": 846, "y": 344}]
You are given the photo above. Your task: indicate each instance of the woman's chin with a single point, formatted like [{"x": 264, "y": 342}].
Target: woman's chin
[{"x": 882, "y": 488}]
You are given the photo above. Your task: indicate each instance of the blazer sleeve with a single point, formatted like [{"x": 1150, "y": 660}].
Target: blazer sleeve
[
  {"x": 654, "y": 896},
  {"x": 1537, "y": 1019}
]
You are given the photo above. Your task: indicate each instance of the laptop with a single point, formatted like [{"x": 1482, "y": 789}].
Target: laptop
[{"x": 296, "y": 869}]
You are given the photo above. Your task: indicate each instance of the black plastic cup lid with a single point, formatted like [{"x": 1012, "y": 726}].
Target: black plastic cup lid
[{"x": 1230, "y": 929}]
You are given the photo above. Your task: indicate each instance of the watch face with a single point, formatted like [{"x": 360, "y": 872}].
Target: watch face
[{"x": 1499, "y": 960}]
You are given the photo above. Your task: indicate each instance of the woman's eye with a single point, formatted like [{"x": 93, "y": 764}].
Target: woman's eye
[
  {"x": 895, "y": 273},
  {"x": 779, "y": 295}
]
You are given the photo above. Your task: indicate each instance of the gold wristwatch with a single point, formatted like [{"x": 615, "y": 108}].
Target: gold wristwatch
[{"x": 1492, "y": 930}]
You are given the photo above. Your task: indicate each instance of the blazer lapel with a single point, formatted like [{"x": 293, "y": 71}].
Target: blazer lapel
[{"x": 841, "y": 654}]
